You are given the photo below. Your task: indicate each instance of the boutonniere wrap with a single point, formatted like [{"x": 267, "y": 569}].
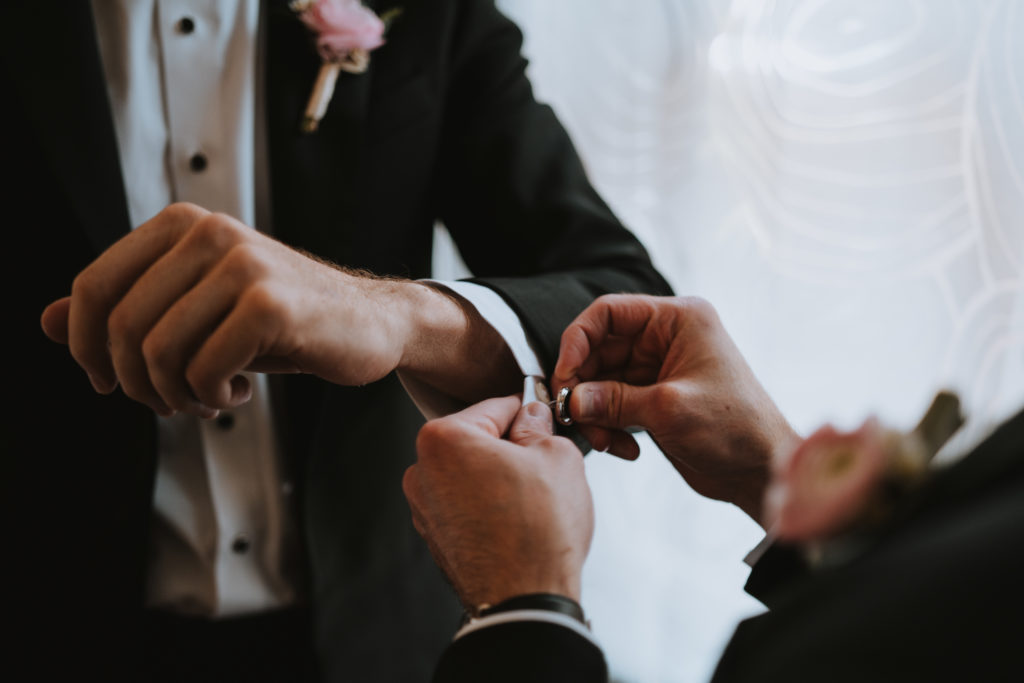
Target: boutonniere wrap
[
  {"x": 346, "y": 31},
  {"x": 837, "y": 488}
]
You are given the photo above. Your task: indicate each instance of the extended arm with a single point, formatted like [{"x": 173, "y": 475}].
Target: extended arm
[{"x": 176, "y": 310}]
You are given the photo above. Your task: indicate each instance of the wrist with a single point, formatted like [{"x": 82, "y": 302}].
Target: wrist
[
  {"x": 548, "y": 602},
  {"x": 752, "y": 503},
  {"x": 500, "y": 586},
  {"x": 449, "y": 346},
  {"x": 392, "y": 309},
  {"x": 431, "y": 322}
]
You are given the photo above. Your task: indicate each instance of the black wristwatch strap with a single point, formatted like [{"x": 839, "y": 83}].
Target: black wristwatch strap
[{"x": 551, "y": 602}]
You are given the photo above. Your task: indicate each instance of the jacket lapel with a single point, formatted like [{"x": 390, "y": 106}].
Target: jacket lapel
[{"x": 60, "y": 78}]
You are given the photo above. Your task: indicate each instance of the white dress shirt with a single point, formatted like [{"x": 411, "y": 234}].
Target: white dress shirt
[{"x": 183, "y": 86}]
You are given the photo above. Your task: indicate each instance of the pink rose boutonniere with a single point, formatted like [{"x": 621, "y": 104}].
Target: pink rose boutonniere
[
  {"x": 346, "y": 31},
  {"x": 836, "y": 487}
]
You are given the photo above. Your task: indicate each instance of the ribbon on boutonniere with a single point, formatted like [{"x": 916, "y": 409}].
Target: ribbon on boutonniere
[{"x": 346, "y": 31}]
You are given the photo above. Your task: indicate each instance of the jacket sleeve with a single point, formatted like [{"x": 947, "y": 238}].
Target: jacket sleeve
[
  {"x": 514, "y": 194},
  {"x": 522, "y": 651}
]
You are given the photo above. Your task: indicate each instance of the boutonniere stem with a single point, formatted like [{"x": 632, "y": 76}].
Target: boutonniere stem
[{"x": 323, "y": 89}]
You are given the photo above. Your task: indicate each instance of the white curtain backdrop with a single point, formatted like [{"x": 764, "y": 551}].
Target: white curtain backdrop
[{"x": 844, "y": 180}]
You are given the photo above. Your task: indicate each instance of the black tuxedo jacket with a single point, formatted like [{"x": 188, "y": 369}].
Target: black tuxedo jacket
[
  {"x": 936, "y": 597},
  {"x": 443, "y": 126}
]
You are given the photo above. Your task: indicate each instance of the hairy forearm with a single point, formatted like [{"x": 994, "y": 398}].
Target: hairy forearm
[{"x": 450, "y": 347}]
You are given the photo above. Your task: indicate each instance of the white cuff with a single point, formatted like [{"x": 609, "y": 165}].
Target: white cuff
[
  {"x": 760, "y": 549},
  {"x": 499, "y": 315},
  {"x": 544, "y": 615}
]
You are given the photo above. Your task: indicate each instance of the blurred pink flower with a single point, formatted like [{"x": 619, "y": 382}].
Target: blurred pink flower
[
  {"x": 342, "y": 27},
  {"x": 828, "y": 483}
]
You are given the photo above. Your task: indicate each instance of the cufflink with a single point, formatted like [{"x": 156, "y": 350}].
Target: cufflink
[{"x": 535, "y": 390}]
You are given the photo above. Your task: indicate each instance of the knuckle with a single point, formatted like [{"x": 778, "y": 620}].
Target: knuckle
[
  {"x": 264, "y": 301},
  {"x": 613, "y": 408},
  {"x": 434, "y": 438},
  {"x": 121, "y": 326},
  {"x": 664, "y": 394},
  {"x": 216, "y": 232},
  {"x": 428, "y": 438},
  {"x": 698, "y": 308},
  {"x": 612, "y": 299},
  {"x": 156, "y": 350},
  {"x": 86, "y": 287},
  {"x": 555, "y": 445},
  {"x": 183, "y": 212},
  {"x": 203, "y": 384},
  {"x": 246, "y": 262}
]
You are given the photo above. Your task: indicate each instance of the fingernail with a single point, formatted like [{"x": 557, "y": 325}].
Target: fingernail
[{"x": 582, "y": 403}]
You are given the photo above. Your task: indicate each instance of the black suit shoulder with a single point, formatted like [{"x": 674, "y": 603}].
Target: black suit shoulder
[{"x": 933, "y": 599}]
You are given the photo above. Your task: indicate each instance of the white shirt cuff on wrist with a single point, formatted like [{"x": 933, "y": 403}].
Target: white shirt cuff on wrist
[
  {"x": 542, "y": 615},
  {"x": 760, "y": 549}
]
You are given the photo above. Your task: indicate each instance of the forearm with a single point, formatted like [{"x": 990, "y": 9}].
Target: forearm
[{"x": 452, "y": 348}]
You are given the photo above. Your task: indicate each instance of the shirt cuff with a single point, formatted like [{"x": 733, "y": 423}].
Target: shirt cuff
[
  {"x": 760, "y": 549},
  {"x": 542, "y": 615},
  {"x": 499, "y": 315}
]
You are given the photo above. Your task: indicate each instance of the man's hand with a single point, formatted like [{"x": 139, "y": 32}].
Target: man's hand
[
  {"x": 502, "y": 517},
  {"x": 174, "y": 311},
  {"x": 667, "y": 365}
]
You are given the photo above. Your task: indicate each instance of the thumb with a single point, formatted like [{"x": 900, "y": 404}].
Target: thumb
[
  {"x": 610, "y": 404},
  {"x": 55, "y": 320},
  {"x": 533, "y": 422}
]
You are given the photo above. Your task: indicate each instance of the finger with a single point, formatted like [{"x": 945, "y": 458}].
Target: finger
[
  {"x": 623, "y": 445},
  {"x": 493, "y": 416},
  {"x": 614, "y": 314},
  {"x": 611, "y": 354},
  {"x": 610, "y": 404},
  {"x": 599, "y": 438},
  {"x": 612, "y": 441},
  {"x": 55, "y": 320},
  {"x": 573, "y": 351},
  {"x": 533, "y": 422},
  {"x": 145, "y": 337},
  {"x": 623, "y": 360},
  {"x": 98, "y": 288},
  {"x": 411, "y": 489},
  {"x": 182, "y": 331},
  {"x": 214, "y": 374}
]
